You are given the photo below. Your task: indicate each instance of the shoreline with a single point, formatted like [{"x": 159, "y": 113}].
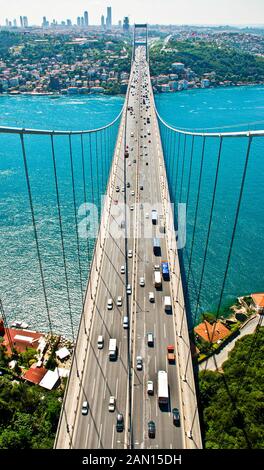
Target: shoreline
[{"x": 58, "y": 95}]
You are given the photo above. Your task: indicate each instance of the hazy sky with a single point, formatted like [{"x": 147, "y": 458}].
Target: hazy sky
[{"x": 151, "y": 11}]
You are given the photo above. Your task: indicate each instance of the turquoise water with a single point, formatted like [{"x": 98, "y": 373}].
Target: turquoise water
[
  {"x": 20, "y": 281},
  {"x": 222, "y": 109}
]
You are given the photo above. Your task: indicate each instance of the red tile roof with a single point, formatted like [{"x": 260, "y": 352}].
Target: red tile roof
[
  {"x": 15, "y": 336},
  {"x": 35, "y": 374},
  {"x": 212, "y": 333},
  {"x": 258, "y": 299}
]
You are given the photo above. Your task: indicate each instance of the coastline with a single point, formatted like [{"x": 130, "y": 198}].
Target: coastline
[{"x": 156, "y": 92}]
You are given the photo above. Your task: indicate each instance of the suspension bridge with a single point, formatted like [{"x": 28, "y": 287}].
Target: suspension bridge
[{"x": 149, "y": 165}]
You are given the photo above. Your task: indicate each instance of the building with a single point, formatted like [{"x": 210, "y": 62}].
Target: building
[
  {"x": 25, "y": 21},
  {"x": 22, "y": 339},
  {"x": 126, "y": 25},
  {"x": 178, "y": 66},
  {"x": 21, "y": 22},
  {"x": 258, "y": 300},
  {"x": 78, "y": 21},
  {"x": 109, "y": 18},
  {"x": 212, "y": 333},
  {"x": 165, "y": 88},
  {"x": 82, "y": 21},
  {"x": 102, "y": 21},
  {"x": 86, "y": 19},
  {"x": 205, "y": 83},
  {"x": 35, "y": 374}
]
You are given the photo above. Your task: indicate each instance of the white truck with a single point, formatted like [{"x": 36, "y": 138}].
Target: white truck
[
  {"x": 167, "y": 303},
  {"x": 163, "y": 389},
  {"x": 112, "y": 349},
  {"x": 157, "y": 279}
]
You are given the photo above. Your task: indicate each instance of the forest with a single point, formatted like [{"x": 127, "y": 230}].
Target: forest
[{"x": 232, "y": 402}]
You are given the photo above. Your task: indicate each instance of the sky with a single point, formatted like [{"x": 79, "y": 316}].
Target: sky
[{"x": 150, "y": 11}]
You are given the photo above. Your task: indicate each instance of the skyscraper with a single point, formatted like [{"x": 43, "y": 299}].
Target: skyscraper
[
  {"x": 109, "y": 18},
  {"x": 6, "y": 22},
  {"x": 102, "y": 21},
  {"x": 86, "y": 19},
  {"x": 82, "y": 21},
  {"x": 78, "y": 21},
  {"x": 126, "y": 24},
  {"x": 15, "y": 23},
  {"x": 21, "y": 22},
  {"x": 25, "y": 21}
]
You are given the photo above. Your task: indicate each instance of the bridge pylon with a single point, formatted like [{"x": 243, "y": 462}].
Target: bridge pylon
[{"x": 140, "y": 38}]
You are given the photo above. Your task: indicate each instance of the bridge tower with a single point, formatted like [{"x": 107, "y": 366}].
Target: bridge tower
[{"x": 140, "y": 38}]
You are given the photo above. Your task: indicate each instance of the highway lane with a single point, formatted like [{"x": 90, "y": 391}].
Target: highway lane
[
  {"x": 152, "y": 318},
  {"x": 102, "y": 377}
]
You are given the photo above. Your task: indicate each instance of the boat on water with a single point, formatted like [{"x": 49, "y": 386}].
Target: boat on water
[
  {"x": 54, "y": 97},
  {"x": 19, "y": 324}
]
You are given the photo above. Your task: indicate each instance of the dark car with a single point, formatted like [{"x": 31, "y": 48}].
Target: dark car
[
  {"x": 151, "y": 429},
  {"x": 119, "y": 422},
  {"x": 176, "y": 416},
  {"x": 141, "y": 187}
]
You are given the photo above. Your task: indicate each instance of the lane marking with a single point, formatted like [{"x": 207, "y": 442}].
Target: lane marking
[
  {"x": 164, "y": 326},
  {"x": 113, "y": 436}
]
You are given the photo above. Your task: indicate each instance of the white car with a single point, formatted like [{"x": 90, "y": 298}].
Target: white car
[
  {"x": 132, "y": 193},
  {"x": 147, "y": 215},
  {"x": 141, "y": 281},
  {"x": 85, "y": 408},
  {"x": 123, "y": 189},
  {"x": 110, "y": 304},
  {"x": 111, "y": 404},
  {"x": 117, "y": 189},
  {"x": 129, "y": 163},
  {"x": 150, "y": 387},
  {"x": 129, "y": 289},
  {"x": 131, "y": 207},
  {"x": 122, "y": 270},
  {"x": 151, "y": 297},
  {"x": 119, "y": 301},
  {"x": 130, "y": 253},
  {"x": 139, "y": 363}
]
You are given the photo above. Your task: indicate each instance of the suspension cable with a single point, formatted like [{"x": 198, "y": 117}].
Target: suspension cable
[
  {"x": 35, "y": 231},
  {"x": 61, "y": 234},
  {"x": 75, "y": 218},
  {"x": 209, "y": 227}
]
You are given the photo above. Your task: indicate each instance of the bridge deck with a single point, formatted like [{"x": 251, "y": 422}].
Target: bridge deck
[{"x": 98, "y": 377}]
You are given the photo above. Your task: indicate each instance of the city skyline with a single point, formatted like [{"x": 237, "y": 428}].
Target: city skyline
[{"x": 171, "y": 12}]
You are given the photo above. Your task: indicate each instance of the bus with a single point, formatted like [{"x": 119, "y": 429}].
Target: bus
[
  {"x": 165, "y": 270},
  {"x": 163, "y": 390},
  {"x": 156, "y": 246}
]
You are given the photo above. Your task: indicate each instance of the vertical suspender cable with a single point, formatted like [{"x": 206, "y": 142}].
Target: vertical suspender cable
[
  {"x": 75, "y": 218},
  {"x": 35, "y": 230},
  {"x": 209, "y": 228},
  {"x": 196, "y": 209},
  {"x": 61, "y": 234}
]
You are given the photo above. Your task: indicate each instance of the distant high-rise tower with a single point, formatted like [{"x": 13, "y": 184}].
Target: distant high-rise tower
[
  {"x": 126, "y": 24},
  {"x": 25, "y": 21},
  {"x": 78, "y": 21},
  {"x": 69, "y": 23},
  {"x": 44, "y": 22},
  {"x": 82, "y": 21},
  {"x": 109, "y": 18},
  {"x": 21, "y": 21},
  {"x": 6, "y": 22},
  {"x": 119, "y": 23},
  {"x": 86, "y": 19},
  {"x": 102, "y": 21}
]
